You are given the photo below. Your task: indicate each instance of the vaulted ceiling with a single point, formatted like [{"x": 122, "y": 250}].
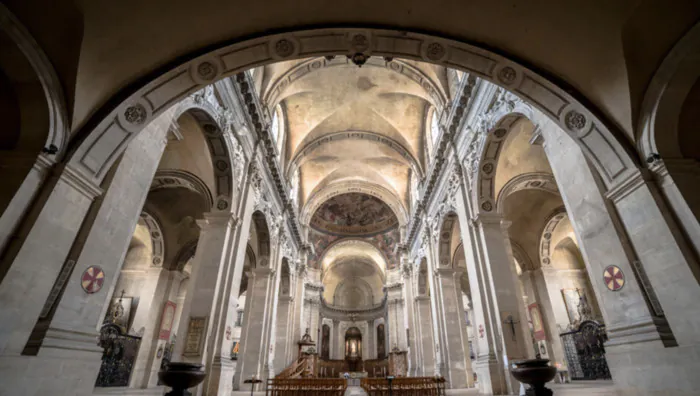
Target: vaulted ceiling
[{"x": 346, "y": 124}]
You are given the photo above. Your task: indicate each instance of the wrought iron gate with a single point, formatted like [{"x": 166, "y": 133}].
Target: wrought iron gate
[
  {"x": 585, "y": 353},
  {"x": 118, "y": 358}
]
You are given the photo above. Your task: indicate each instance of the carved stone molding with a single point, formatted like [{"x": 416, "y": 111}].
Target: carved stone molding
[
  {"x": 527, "y": 181},
  {"x": 170, "y": 178},
  {"x": 546, "y": 237},
  {"x": 104, "y": 142},
  {"x": 157, "y": 243},
  {"x": 58, "y": 130}
]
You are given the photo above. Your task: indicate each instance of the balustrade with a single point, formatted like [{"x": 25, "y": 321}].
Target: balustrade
[
  {"x": 306, "y": 387},
  {"x": 404, "y": 386}
]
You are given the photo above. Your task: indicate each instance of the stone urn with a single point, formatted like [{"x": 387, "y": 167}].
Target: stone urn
[
  {"x": 181, "y": 376},
  {"x": 536, "y": 373}
]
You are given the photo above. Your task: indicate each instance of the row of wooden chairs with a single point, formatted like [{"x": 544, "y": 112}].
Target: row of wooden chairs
[
  {"x": 404, "y": 386},
  {"x": 306, "y": 387}
]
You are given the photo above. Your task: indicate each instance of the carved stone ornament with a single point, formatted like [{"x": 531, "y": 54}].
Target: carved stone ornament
[
  {"x": 136, "y": 114},
  {"x": 487, "y": 168},
  {"x": 206, "y": 71},
  {"x": 435, "y": 51},
  {"x": 222, "y": 204},
  {"x": 360, "y": 43},
  {"x": 284, "y": 48},
  {"x": 507, "y": 75},
  {"x": 574, "y": 120},
  {"x": 487, "y": 206}
]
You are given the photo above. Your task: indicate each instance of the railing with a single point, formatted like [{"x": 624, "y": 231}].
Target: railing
[
  {"x": 306, "y": 387},
  {"x": 404, "y": 386},
  {"x": 304, "y": 367}
]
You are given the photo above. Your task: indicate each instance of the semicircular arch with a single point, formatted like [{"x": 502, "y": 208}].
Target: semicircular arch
[{"x": 605, "y": 148}]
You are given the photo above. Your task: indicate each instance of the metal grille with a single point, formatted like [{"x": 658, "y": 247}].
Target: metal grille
[
  {"x": 118, "y": 358},
  {"x": 585, "y": 353}
]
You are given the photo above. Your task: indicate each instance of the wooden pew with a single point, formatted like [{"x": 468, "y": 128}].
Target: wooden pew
[
  {"x": 404, "y": 386},
  {"x": 306, "y": 387}
]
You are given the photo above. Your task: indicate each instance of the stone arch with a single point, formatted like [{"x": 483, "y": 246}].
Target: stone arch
[
  {"x": 314, "y": 64},
  {"x": 317, "y": 198},
  {"x": 220, "y": 144},
  {"x": 94, "y": 154},
  {"x": 263, "y": 235},
  {"x": 524, "y": 181},
  {"x": 33, "y": 109},
  {"x": 156, "y": 233},
  {"x": 172, "y": 178},
  {"x": 308, "y": 147},
  {"x": 521, "y": 256},
  {"x": 657, "y": 129},
  {"x": 506, "y": 115},
  {"x": 350, "y": 240},
  {"x": 347, "y": 286},
  {"x": 57, "y": 131},
  {"x": 664, "y": 127},
  {"x": 185, "y": 254},
  {"x": 545, "y": 240},
  {"x": 445, "y": 239}
]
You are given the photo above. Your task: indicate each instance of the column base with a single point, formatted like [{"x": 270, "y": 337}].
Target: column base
[
  {"x": 219, "y": 379},
  {"x": 490, "y": 376},
  {"x": 72, "y": 374},
  {"x": 650, "y": 369}
]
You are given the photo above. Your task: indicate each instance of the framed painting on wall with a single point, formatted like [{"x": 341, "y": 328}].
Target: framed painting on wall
[
  {"x": 195, "y": 336},
  {"x": 537, "y": 324},
  {"x": 166, "y": 322}
]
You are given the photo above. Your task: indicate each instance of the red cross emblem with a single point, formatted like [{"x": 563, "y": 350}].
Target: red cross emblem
[
  {"x": 92, "y": 279},
  {"x": 614, "y": 278},
  {"x": 481, "y": 331},
  {"x": 228, "y": 332}
]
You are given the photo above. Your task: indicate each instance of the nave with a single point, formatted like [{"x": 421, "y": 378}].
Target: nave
[{"x": 314, "y": 204}]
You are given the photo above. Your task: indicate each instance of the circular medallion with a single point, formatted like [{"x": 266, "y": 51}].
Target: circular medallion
[
  {"x": 92, "y": 279},
  {"x": 614, "y": 278}
]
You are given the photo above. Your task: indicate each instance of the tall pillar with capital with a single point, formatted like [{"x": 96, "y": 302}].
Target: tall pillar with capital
[
  {"x": 409, "y": 314},
  {"x": 199, "y": 338},
  {"x": 253, "y": 355},
  {"x": 297, "y": 316},
  {"x": 457, "y": 364},
  {"x": 653, "y": 319},
  {"x": 506, "y": 304},
  {"x": 77, "y": 227}
]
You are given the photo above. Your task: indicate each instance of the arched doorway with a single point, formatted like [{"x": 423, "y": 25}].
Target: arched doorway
[{"x": 353, "y": 349}]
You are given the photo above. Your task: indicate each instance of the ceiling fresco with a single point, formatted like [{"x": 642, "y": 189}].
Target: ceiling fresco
[{"x": 354, "y": 214}]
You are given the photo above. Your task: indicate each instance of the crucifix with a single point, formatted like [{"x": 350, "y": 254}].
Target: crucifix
[{"x": 509, "y": 321}]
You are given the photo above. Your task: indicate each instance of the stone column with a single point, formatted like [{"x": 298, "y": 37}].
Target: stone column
[
  {"x": 282, "y": 333},
  {"x": 297, "y": 328},
  {"x": 207, "y": 300},
  {"x": 425, "y": 327},
  {"x": 489, "y": 364},
  {"x": 409, "y": 314},
  {"x": 545, "y": 295},
  {"x": 507, "y": 301},
  {"x": 69, "y": 234},
  {"x": 335, "y": 341},
  {"x": 11, "y": 216},
  {"x": 638, "y": 335},
  {"x": 252, "y": 360},
  {"x": 457, "y": 368}
]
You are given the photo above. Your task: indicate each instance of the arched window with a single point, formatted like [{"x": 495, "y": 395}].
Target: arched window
[
  {"x": 275, "y": 127},
  {"x": 434, "y": 127}
]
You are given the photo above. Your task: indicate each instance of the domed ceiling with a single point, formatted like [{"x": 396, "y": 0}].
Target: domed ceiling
[{"x": 354, "y": 214}]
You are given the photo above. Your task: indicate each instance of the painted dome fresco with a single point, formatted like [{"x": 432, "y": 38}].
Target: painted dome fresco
[{"x": 354, "y": 214}]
